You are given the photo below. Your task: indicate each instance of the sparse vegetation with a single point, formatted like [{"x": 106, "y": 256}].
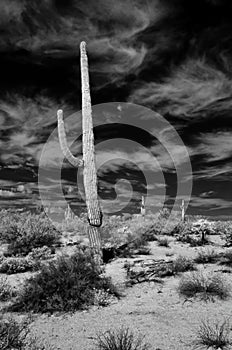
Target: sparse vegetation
[
  {"x": 12, "y": 334},
  {"x": 206, "y": 286},
  {"x": 182, "y": 264},
  {"x": 16, "y": 265},
  {"x": 163, "y": 242},
  {"x": 15, "y": 335},
  {"x": 74, "y": 282},
  {"x": 6, "y": 291},
  {"x": 65, "y": 284},
  {"x": 226, "y": 257},
  {"x": 215, "y": 335},
  {"x": 193, "y": 241},
  {"x": 121, "y": 339},
  {"x": 24, "y": 232},
  {"x": 208, "y": 256},
  {"x": 226, "y": 231},
  {"x": 41, "y": 253}
]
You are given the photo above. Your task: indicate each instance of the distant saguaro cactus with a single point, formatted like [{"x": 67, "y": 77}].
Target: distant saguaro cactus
[
  {"x": 88, "y": 161},
  {"x": 182, "y": 207},
  {"x": 143, "y": 209},
  {"x": 68, "y": 214}
]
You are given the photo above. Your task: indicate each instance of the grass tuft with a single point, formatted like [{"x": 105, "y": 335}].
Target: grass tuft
[
  {"x": 213, "y": 335},
  {"x": 163, "y": 242},
  {"x": 121, "y": 339},
  {"x": 208, "y": 256},
  {"x": 206, "y": 286}
]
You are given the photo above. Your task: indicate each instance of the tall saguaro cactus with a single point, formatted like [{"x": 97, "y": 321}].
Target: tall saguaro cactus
[{"x": 88, "y": 161}]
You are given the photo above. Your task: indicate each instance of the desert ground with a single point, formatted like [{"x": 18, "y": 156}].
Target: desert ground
[{"x": 155, "y": 309}]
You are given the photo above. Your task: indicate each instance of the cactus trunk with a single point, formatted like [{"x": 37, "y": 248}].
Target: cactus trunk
[{"x": 89, "y": 172}]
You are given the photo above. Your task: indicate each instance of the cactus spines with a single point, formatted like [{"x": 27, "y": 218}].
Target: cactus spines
[{"x": 89, "y": 170}]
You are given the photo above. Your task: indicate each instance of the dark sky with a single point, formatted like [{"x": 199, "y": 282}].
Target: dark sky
[{"x": 172, "y": 56}]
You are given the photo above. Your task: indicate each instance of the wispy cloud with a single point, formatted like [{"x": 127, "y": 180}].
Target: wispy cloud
[
  {"x": 193, "y": 90},
  {"x": 210, "y": 203}
]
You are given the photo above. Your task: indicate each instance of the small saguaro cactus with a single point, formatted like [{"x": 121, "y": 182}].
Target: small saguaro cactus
[
  {"x": 182, "y": 207},
  {"x": 88, "y": 162},
  {"x": 68, "y": 214},
  {"x": 143, "y": 209}
]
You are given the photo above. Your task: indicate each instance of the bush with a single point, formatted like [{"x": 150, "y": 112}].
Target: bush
[
  {"x": 192, "y": 241},
  {"x": 102, "y": 297},
  {"x": 207, "y": 257},
  {"x": 206, "y": 286},
  {"x": 182, "y": 264},
  {"x": 6, "y": 291},
  {"x": 43, "y": 253},
  {"x": 227, "y": 233},
  {"x": 226, "y": 257},
  {"x": 213, "y": 335},
  {"x": 16, "y": 265},
  {"x": 122, "y": 339},
  {"x": 25, "y": 232},
  {"x": 163, "y": 242},
  {"x": 15, "y": 336},
  {"x": 64, "y": 284},
  {"x": 132, "y": 247},
  {"x": 12, "y": 334}
]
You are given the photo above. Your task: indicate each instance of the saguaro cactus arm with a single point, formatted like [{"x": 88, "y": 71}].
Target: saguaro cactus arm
[{"x": 76, "y": 162}]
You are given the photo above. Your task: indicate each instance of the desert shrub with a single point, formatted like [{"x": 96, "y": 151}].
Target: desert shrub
[
  {"x": 203, "y": 227},
  {"x": 227, "y": 233},
  {"x": 113, "y": 230},
  {"x": 41, "y": 253},
  {"x": 121, "y": 339},
  {"x": 222, "y": 227},
  {"x": 207, "y": 256},
  {"x": 215, "y": 335},
  {"x": 206, "y": 286},
  {"x": 6, "y": 291},
  {"x": 163, "y": 242},
  {"x": 76, "y": 224},
  {"x": 133, "y": 246},
  {"x": 102, "y": 297},
  {"x": 192, "y": 241},
  {"x": 164, "y": 213},
  {"x": 179, "y": 265},
  {"x": 15, "y": 335},
  {"x": 25, "y": 232},
  {"x": 195, "y": 232},
  {"x": 64, "y": 284},
  {"x": 182, "y": 264},
  {"x": 226, "y": 257},
  {"x": 16, "y": 265},
  {"x": 180, "y": 228},
  {"x": 12, "y": 334}
]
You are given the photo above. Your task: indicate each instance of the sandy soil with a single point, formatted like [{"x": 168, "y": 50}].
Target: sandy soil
[{"x": 152, "y": 309}]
